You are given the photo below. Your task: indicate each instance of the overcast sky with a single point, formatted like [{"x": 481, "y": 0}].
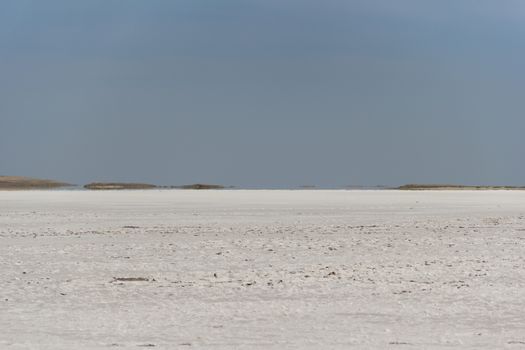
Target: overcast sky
[{"x": 264, "y": 93}]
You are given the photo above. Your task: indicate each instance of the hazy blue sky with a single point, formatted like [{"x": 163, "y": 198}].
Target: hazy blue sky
[{"x": 266, "y": 93}]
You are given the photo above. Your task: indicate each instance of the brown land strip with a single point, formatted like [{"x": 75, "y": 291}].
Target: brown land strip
[
  {"x": 27, "y": 183},
  {"x": 119, "y": 186},
  {"x": 419, "y": 187}
]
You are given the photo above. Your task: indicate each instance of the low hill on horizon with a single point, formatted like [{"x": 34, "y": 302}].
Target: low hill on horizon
[
  {"x": 119, "y": 186},
  {"x": 22, "y": 182},
  {"x": 201, "y": 187},
  {"x": 416, "y": 187}
]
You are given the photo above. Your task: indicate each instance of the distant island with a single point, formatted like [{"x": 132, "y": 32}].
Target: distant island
[
  {"x": 201, "y": 187},
  {"x": 28, "y": 183},
  {"x": 119, "y": 186},
  {"x": 145, "y": 186},
  {"x": 420, "y": 187}
]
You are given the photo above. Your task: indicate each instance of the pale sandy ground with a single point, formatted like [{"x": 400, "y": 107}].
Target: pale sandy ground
[{"x": 262, "y": 270}]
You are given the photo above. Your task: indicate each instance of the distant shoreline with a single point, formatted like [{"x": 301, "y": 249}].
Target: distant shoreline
[
  {"x": 118, "y": 186},
  {"x": 26, "y": 183},
  {"x": 145, "y": 186},
  {"x": 427, "y": 187}
]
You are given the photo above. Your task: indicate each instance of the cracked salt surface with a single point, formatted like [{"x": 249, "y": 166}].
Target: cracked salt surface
[{"x": 262, "y": 269}]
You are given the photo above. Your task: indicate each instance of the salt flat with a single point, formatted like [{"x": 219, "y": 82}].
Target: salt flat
[{"x": 170, "y": 269}]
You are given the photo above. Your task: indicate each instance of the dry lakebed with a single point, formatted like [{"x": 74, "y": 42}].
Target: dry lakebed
[{"x": 262, "y": 269}]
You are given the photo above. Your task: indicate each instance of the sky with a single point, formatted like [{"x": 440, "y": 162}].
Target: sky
[{"x": 264, "y": 93}]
